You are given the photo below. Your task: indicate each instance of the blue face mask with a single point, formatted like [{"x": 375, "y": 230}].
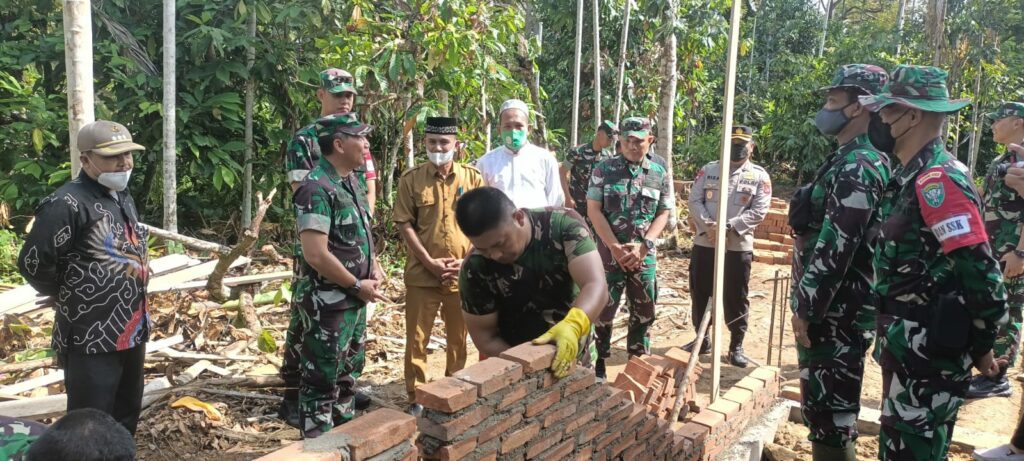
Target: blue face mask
[{"x": 831, "y": 122}]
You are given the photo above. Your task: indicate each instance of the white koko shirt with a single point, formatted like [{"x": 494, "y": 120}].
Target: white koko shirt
[{"x": 529, "y": 177}]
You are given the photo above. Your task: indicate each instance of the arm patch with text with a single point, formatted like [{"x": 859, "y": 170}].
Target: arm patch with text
[{"x": 951, "y": 215}]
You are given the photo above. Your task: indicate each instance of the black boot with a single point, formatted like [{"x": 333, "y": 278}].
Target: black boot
[
  {"x": 288, "y": 411},
  {"x": 599, "y": 370},
  {"x": 736, "y": 355},
  {"x": 705, "y": 347},
  {"x": 822, "y": 452},
  {"x": 362, "y": 401}
]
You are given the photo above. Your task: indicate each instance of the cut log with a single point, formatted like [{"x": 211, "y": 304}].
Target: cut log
[
  {"x": 248, "y": 312},
  {"x": 168, "y": 282},
  {"x": 214, "y": 285},
  {"x": 190, "y": 242},
  {"x": 27, "y": 365}
]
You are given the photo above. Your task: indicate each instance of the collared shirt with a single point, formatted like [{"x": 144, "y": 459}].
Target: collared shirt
[
  {"x": 332, "y": 205},
  {"x": 832, "y": 273},
  {"x": 426, "y": 200},
  {"x": 16, "y": 435},
  {"x": 749, "y": 195},
  {"x": 536, "y": 291},
  {"x": 580, "y": 162},
  {"x": 1004, "y": 209},
  {"x": 88, "y": 251},
  {"x": 631, "y": 195},
  {"x": 529, "y": 177},
  {"x": 932, "y": 242}
]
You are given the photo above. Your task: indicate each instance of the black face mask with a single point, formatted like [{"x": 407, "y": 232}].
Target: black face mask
[
  {"x": 739, "y": 152},
  {"x": 831, "y": 122},
  {"x": 880, "y": 133}
]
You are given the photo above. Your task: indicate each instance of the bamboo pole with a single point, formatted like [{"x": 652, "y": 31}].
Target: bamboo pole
[
  {"x": 597, "y": 64},
  {"x": 576, "y": 81},
  {"x": 723, "y": 185},
  {"x": 170, "y": 189},
  {"x": 78, "y": 61},
  {"x": 622, "y": 63}
]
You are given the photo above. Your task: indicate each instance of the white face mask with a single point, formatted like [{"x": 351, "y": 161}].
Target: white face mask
[
  {"x": 116, "y": 181},
  {"x": 441, "y": 158}
]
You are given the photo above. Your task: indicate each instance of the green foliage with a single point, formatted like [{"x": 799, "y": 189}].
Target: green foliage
[{"x": 10, "y": 245}]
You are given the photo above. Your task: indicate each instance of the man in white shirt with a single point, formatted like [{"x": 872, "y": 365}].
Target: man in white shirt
[{"x": 526, "y": 173}]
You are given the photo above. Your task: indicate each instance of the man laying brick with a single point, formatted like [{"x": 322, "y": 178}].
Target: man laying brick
[{"x": 533, "y": 273}]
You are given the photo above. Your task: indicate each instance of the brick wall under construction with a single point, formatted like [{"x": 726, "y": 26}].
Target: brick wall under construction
[{"x": 772, "y": 241}]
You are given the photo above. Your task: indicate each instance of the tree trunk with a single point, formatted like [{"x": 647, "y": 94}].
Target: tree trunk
[
  {"x": 900, "y": 13},
  {"x": 191, "y": 242},
  {"x": 485, "y": 120},
  {"x": 78, "y": 60},
  {"x": 532, "y": 80},
  {"x": 442, "y": 98},
  {"x": 248, "y": 313},
  {"x": 972, "y": 153},
  {"x": 215, "y": 283},
  {"x": 824, "y": 29},
  {"x": 574, "y": 140},
  {"x": 622, "y": 62},
  {"x": 666, "y": 108},
  {"x": 936, "y": 29},
  {"x": 597, "y": 63},
  {"x": 250, "y": 96},
  {"x": 170, "y": 114}
]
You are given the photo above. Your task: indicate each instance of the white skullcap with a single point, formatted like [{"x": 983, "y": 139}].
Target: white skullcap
[{"x": 514, "y": 104}]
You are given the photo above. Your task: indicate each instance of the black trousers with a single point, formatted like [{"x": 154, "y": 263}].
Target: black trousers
[
  {"x": 734, "y": 298},
  {"x": 110, "y": 382}
]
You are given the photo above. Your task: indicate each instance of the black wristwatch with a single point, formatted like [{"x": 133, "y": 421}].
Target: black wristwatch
[
  {"x": 356, "y": 287},
  {"x": 649, "y": 244}
]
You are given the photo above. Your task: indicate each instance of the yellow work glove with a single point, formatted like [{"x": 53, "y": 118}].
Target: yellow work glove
[{"x": 566, "y": 336}]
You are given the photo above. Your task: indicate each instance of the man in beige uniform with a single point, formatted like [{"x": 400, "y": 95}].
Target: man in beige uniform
[{"x": 425, "y": 215}]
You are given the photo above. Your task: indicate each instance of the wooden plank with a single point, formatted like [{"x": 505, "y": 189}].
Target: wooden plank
[
  {"x": 39, "y": 407},
  {"x": 235, "y": 281},
  {"x": 16, "y": 297},
  {"x": 167, "y": 282},
  {"x": 169, "y": 263}
]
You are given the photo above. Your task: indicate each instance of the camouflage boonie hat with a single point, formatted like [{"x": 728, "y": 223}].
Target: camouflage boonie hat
[
  {"x": 920, "y": 87},
  {"x": 638, "y": 127},
  {"x": 1007, "y": 109},
  {"x": 742, "y": 133},
  {"x": 863, "y": 78},
  {"x": 609, "y": 126},
  {"x": 337, "y": 81},
  {"x": 347, "y": 123}
]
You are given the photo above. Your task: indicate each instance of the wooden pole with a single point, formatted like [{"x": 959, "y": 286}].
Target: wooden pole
[
  {"x": 574, "y": 140},
  {"x": 250, "y": 96},
  {"x": 78, "y": 60},
  {"x": 666, "y": 107},
  {"x": 170, "y": 189},
  {"x": 677, "y": 407},
  {"x": 622, "y": 63},
  {"x": 597, "y": 63},
  {"x": 723, "y": 185}
]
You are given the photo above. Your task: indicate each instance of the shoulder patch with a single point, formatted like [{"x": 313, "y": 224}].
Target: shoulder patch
[
  {"x": 953, "y": 218},
  {"x": 934, "y": 193},
  {"x": 929, "y": 176}
]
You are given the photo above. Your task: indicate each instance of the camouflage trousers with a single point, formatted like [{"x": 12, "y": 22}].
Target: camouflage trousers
[
  {"x": 331, "y": 358},
  {"x": 831, "y": 374},
  {"x": 1008, "y": 336},
  {"x": 921, "y": 392},
  {"x": 641, "y": 290}
]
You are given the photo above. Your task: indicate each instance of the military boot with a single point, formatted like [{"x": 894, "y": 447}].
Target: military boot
[{"x": 822, "y": 452}]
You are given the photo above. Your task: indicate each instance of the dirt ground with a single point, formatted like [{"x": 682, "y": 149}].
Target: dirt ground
[{"x": 251, "y": 429}]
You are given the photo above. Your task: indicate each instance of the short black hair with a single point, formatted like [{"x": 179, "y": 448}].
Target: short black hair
[
  {"x": 85, "y": 434},
  {"x": 481, "y": 210},
  {"x": 606, "y": 129},
  {"x": 326, "y": 142}
]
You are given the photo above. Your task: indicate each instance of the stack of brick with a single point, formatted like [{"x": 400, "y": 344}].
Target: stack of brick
[
  {"x": 653, "y": 380},
  {"x": 381, "y": 435},
  {"x": 772, "y": 241},
  {"x": 512, "y": 408}
]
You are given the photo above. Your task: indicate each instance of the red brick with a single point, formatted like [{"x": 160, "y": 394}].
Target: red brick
[
  {"x": 559, "y": 414},
  {"x": 559, "y": 451},
  {"x": 649, "y": 425},
  {"x": 579, "y": 421},
  {"x": 661, "y": 365},
  {"x": 621, "y": 412},
  {"x": 503, "y": 425},
  {"x": 515, "y": 394},
  {"x": 726, "y": 407},
  {"x": 377, "y": 431},
  {"x": 541, "y": 443},
  {"x": 448, "y": 395},
  {"x": 584, "y": 380},
  {"x": 635, "y": 451},
  {"x": 709, "y": 419},
  {"x": 751, "y": 384},
  {"x": 744, "y": 397},
  {"x": 615, "y": 395},
  {"x": 456, "y": 451},
  {"x": 295, "y": 452},
  {"x": 628, "y": 384},
  {"x": 605, "y": 440},
  {"x": 583, "y": 452},
  {"x": 641, "y": 372},
  {"x": 532, "y": 358},
  {"x": 491, "y": 375},
  {"x": 590, "y": 431},
  {"x": 636, "y": 416},
  {"x": 519, "y": 438},
  {"x": 682, "y": 358},
  {"x": 450, "y": 430},
  {"x": 412, "y": 455},
  {"x": 542, "y": 402},
  {"x": 621, "y": 446},
  {"x": 491, "y": 455}
]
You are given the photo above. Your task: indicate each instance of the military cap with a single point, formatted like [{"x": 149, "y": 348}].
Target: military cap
[
  {"x": 742, "y": 133},
  {"x": 1007, "y": 109},
  {"x": 347, "y": 123},
  {"x": 920, "y": 87},
  {"x": 609, "y": 126},
  {"x": 337, "y": 81},
  {"x": 639, "y": 127},
  {"x": 862, "y": 78},
  {"x": 106, "y": 138}
]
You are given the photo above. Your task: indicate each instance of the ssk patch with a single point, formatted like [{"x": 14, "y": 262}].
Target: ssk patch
[{"x": 952, "y": 227}]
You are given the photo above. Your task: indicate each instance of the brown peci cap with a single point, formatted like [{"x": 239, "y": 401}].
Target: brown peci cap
[{"x": 106, "y": 138}]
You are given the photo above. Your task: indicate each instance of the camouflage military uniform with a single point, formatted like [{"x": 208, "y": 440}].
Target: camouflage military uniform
[
  {"x": 333, "y": 319},
  {"x": 537, "y": 291},
  {"x": 580, "y": 162},
  {"x": 931, "y": 243},
  {"x": 832, "y": 278},
  {"x": 1004, "y": 222},
  {"x": 631, "y": 195},
  {"x": 16, "y": 435},
  {"x": 302, "y": 156}
]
